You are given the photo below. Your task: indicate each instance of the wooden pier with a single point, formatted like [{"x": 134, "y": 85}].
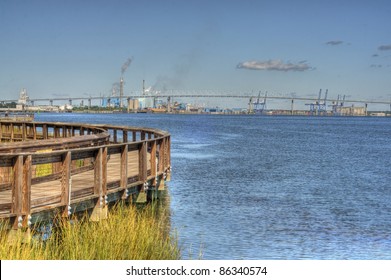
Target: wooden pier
[{"x": 49, "y": 169}]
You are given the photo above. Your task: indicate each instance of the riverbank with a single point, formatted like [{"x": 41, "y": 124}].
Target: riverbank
[{"x": 129, "y": 233}]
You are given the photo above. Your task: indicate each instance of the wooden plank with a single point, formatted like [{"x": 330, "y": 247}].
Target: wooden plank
[
  {"x": 47, "y": 200},
  {"x": 83, "y": 154},
  {"x": 44, "y": 158}
]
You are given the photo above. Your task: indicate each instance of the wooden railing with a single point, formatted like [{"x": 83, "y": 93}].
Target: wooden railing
[{"x": 48, "y": 169}]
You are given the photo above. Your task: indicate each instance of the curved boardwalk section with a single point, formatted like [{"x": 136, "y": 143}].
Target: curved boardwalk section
[{"x": 49, "y": 169}]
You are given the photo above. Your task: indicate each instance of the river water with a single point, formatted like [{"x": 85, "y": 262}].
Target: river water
[{"x": 273, "y": 187}]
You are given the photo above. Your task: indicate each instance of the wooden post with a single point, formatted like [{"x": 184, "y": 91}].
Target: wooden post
[
  {"x": 292, "y": 106},
  {"x": 26, "y": 190},
  {"x": 45, "y": 131},
  {"x": 34, "y": 132},
  {"x": 115, "y": 135},
  {"x": 56, "y": 132},
  {"x": 24, "y": 132},
  {"x": 66, "y": 183},
  {"x": 142, "y": 171},
  {"x": 17, "y": 189},
  {"x": 124, "y": 170},
  {"x": 154, "y": 169},
  {"x": 104, "y": 173},
  {"x": 21, "y": 199},
  {"x": 168, "y": 166},
  {"x": 100, "y": 185},
  {"x": 160, "y": 164},
  {"x": 153, "y": 162},
  {"x": 124, "y": 136},
  {"x": 134, "y": 136},
  {"x": 12, "y": 132}
]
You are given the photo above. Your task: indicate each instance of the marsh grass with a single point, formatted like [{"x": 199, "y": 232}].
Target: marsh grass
[{"x": 129, "y": 233}]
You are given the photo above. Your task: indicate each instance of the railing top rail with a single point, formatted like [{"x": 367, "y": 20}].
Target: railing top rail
[{"x": 71, "y": 143}]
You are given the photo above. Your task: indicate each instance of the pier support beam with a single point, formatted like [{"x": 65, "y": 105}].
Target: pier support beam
[
  {"x": 100, "y": 186},
  {"x": 66, "y": 183},
  {"x": 292, "y": 106},
  {"x": 21, "y": 198},
  {"x": 142, "y": 172}
]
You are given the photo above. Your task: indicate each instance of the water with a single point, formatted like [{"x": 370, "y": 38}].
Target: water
[{"x": 262, "y": 187}]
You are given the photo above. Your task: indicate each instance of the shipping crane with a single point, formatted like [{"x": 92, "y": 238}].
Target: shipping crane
[
  {"x": 260, "y": 106},
  {"x": 337, "y": 105},
  {"x": 322, "y": 107},
  {"x": 319, "y": 108}
]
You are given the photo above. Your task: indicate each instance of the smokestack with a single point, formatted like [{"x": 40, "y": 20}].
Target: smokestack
[
  {"x": 143, "y": 87},
  {"x": 121, "y": 92}
]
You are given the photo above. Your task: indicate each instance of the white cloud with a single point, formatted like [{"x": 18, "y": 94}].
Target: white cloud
[{"x": 276, "y": 65}]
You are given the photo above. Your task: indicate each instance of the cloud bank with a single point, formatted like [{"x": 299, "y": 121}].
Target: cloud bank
[
  {"x": 334, "y": 43},
  {"x": 274, "y": 65},
  {"x": 384, "y": 48}
]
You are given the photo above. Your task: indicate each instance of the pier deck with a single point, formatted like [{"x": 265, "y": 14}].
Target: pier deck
[{"x": 75, "y": 167}]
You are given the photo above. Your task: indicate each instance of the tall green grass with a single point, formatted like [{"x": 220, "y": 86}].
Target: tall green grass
[{"x": 128, "y": 234}]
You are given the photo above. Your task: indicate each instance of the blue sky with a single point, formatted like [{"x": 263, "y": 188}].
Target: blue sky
[{"x": 76, "y": 48}]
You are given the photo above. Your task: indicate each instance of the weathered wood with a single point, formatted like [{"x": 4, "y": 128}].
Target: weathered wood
[
  {"x": 45, "y": 131},
  {"x": 98, "y": 173},
  {"x": 17, "y": 191},
  {"x": 12, "y": 132},
  {"x": 124, "y": 166},
  {"x": 26, "y": 189},
  {"x": 101, "y": 171},
  {"x": 124, "y": 136},
  {"x": 66, "y": 182},
  {"x": 104, "y": 171},
  {"x": 142, "y": 163},
  {"x": 153, "y": 162},
  {"x": 115, "y": 136},
  {"x": 168, "y": 162}
]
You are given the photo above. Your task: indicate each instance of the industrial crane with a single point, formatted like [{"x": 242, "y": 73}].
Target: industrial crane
[
  {"x": 317, "y": 108},
  {"x": 260, "y": 106}
]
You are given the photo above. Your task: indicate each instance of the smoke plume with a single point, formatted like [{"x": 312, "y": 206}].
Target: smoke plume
[{"x": 126, "y": 65}]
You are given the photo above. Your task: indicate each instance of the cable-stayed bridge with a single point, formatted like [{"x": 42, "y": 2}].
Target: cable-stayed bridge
[{"x": 199, "y": 94}]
